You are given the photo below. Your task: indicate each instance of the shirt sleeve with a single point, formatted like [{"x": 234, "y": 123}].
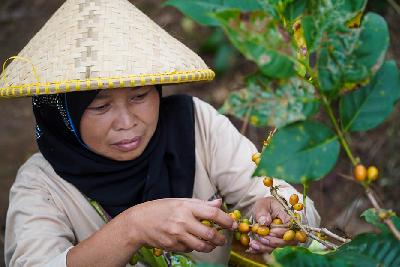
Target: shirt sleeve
[
  {"x": 231, "y": 168},
  {"x": 38, "y": 233}
]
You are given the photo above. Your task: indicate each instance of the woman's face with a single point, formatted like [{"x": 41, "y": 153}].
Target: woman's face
[{"x": 119, "y": 123}]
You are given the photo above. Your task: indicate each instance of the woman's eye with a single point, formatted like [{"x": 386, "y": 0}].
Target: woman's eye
[
  {"x": 100, "y": 108},
  {"x": 139, "y": 97}
]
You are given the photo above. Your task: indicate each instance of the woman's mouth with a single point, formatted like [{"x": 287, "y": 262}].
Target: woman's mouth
[{"x": 127, "y": 145}]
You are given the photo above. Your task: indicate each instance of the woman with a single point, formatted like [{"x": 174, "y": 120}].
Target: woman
[{"x": 124, "y": 169}]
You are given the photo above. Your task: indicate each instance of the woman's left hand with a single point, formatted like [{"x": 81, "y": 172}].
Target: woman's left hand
[{"x": 264, "y": 211}]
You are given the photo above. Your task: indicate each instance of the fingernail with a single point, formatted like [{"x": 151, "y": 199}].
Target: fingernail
[
  {"x": 262, "y": 220},
  {"x": 234, "y": 225}
]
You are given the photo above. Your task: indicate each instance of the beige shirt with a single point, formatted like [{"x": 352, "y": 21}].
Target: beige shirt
[{"x": 47, "y": 215}]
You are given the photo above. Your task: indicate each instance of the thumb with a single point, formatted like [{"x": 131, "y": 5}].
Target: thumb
[
  {"x": 215, "y": 203},
  {"x": 263, "y": 216}
]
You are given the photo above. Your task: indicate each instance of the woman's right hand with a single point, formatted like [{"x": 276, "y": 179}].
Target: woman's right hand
[{"x": 174, "y": 224}]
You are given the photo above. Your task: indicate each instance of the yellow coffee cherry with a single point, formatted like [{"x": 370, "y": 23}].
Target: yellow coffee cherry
[
  {"x": 288, "y": 235},
  {"x": 244, "y": 240},
  {"x": 263, "y": 230},
  {"x": 237, "y": 214},
  {"x": 268, "y": 182},
  {"x": 255, "y": 157},
  {"x": 157, "y": 252},
  {"x": 322, "y": 236},
  {"x": 298, "y": 206},
  {"x": 244, "y": 228},
  {"x": 277, "y": 221},
  {"x": 294, "y": 199},
  {"x": 360, "y": 173},
  {"x": 257, "y": 161},
  {"x": 233, "y": 216},
  {"x": 254, "y": 228},
  {"x": 300, "y": 236},
  {"x": 372, "y": 173},
  {"x": 207, "y": 223}
]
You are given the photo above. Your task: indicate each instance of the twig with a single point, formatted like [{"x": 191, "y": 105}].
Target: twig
[
  {"x": 246, "y": 120},
  {"x": 286, "y": 225},
  {"x": 275, "y": 194},
  {"x": 348, "y": 177},
  {"x": 387, "y": 221},
  {"x": 328, "y": 233},
  {"x": 395, "y": 6}
]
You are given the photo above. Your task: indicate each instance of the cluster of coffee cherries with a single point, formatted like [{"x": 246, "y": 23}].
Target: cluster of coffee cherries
[
  {"x": 246, "y": 228},
  {"x": 294, "y": 233},
  {"x": 362, "y": 174}
]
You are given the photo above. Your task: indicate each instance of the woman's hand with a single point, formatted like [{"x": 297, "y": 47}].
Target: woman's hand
[
  {"x": 175, "y": 224},
  {"x": 264, "y": 211}
]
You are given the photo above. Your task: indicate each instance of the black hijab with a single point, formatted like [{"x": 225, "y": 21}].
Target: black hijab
[{"x": 165, "y": 168}]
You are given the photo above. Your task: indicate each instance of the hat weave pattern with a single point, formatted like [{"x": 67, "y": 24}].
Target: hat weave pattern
[{"x": 100, "y": 44}]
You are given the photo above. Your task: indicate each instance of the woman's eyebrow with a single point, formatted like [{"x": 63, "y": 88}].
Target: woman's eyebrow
[
  {"x": 140, "y": 89},
  {"x": 102, "y": 96}
]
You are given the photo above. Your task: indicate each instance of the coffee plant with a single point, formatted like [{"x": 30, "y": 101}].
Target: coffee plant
[{"x": 313, "y": 57}]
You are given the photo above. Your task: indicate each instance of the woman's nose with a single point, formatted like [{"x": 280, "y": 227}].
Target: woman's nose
[{"x": 124, "y": 119}]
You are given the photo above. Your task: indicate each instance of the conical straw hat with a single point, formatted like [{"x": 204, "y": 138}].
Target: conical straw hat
[{"x": 99, "y": 44}]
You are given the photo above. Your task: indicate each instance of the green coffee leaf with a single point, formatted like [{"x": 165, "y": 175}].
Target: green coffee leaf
[
  {"x": 260, "y": 39},
  {"x": 298, "y": 256},
  {"x": 300, "y": 152},
  {"x": 284, "y": 10},
  {"x": 369, "y": 106},
  {"x": 381, "y": 250},
  {"x": 293, "y": 100},
  {"x": 364, "y": 250},
  {"x": 371, "y": 216},
  {"x": 200, "y": 10},
  {"x": 321, "y": 17},
  {"x": 350, "y": 56}
]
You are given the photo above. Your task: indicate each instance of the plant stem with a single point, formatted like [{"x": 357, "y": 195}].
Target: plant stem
[
  {"x": 315, "y": 229},
  {"x": 387, "y": 221},
  {"x": 339, "y": 132},
  {"x": 395, "y": 6},
  {"x": 246, "y": 120},
  {"x": 328, "y": 233},
  {"x": 305, "y": 189}
]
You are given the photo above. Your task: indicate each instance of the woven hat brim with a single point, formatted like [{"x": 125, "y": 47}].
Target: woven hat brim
[{"x": 106, "y": 83}]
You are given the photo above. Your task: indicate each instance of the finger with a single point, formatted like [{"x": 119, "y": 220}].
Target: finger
[
  {"x": 214, "y": 214},
  {"x": 262, "y": 213},
  {"x": 195, "y": 243},
  {"x": 259, "y": 247},
  {"x": 215, "y": 203},
  {"x": 173, "y": 246},
  {"x": 264, "y": 219},
  {"x": 278, "y": 232},
  {"x": 278, "y": 212},
  {"x": 273, "y": 242},
  {"x": 206, "y": 233}
]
